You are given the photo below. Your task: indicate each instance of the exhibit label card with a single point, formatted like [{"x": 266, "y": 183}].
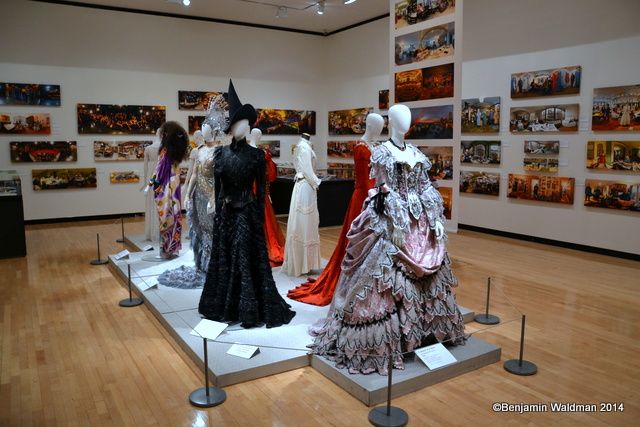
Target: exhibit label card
[
  {"x": 209, "y": 329},
  {"x": 244, "y": 351},
  {"x": 147, "y": 248},
  {"x": 121, "y": 255},
  {"x": 435, "y": 356}
]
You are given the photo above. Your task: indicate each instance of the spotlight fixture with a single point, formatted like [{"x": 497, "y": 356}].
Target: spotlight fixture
[
  {"x": 320, "y": 6},
  {"x": 186, "y": 2},
  {"x": 349, "y": 1},
  {"x": 282, "y": 12}
]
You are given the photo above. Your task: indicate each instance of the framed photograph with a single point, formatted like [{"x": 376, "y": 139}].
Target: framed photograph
[
  {"x": 340, "y": 149},
  {"x": 120, "y": 119},
  {"x": 383, "y": 99},
  {"x": 341, "y": 170},
  {"x": 43, "y": 151},
  {"x": 116, "y": 151},
  {"x": 481, "y": 115},
  {"x": 411, "y": 12},
  {"x": 25, "y": 124},
  {"x": 542, "y": 147},
  {"x": 195, "y": 123},
  {"x": 552, "y": 82},
  {"x": 286, "y": 170},
  {"x": 481, "y": 152},
  {"x": 348, "y": 122},
  {"x": 424, "y": 83},
  {"x": 544, "y": 119},
  {"x": 616, "y": 109},
  {"x": 272, "y": 146},
  {"x": 614, "y": 155},
  {"x": 441, "y": 159},
  {"x": 124, "y": 177},
  {"x": 447, "y": 199},
  {"x": 477, "y": 182},
  {"x": 195, "y": 100},
  {"x": 623, "y": 196},
  {"x": 286, "y": 122},
  {"x": 541, "y": 188},
  {"x": 431, "y": 123},
  {"x": 385, "y": 127},
  {"x": 540, "y": 164},
  {"x": 432, "y": 43},
  {"x": 54, "y": 179},
  {"x": 30, "y": 94},
  {"x": 183, "y": 175}
]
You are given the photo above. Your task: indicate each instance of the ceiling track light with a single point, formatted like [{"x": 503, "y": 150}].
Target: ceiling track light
[
  {"x": 186, "y": 2},
  {"x": 349, "y": 1},
  {"x": 320, "y": 7}
]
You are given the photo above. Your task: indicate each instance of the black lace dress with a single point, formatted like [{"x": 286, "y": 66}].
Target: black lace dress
[{"x": 239, "y": 285}]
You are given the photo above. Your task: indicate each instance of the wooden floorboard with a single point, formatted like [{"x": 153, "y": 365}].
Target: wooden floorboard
[{"x": 69, "y": 355}]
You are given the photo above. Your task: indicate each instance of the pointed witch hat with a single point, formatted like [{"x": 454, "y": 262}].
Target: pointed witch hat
[{"x": 237, "y": 110}]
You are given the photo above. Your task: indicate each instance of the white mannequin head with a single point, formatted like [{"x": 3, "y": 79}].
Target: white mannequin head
[
  {"x": 158, "y": 139},
  {"x": 207, "y": 132},
  {"x": 198, "y": 137},
  {"x": 240, "y": 129},
  {"x": 255, "y": 136},
  {"x": 399, "y": 119},
  {"x": 375, "y": 123}
]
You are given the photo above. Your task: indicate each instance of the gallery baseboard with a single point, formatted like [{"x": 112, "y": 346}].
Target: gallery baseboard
[
  {"x": 551, "y": 242},
  {"x": 83, "y": 218}
]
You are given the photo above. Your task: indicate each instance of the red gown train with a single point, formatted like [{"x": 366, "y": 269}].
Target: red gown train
[
  {"x": 272, "y": 232},
  {"x": 320, "y": 291}
]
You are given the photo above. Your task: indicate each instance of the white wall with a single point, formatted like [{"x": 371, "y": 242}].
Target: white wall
[{"x": 604, "y": 64}]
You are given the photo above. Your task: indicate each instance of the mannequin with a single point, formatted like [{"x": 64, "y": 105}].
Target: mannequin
[
  {"x": 302, "y": 247},
  {"x": 254, "y": 137},
  {"x": 151, "y": 226},
  {"x": 320, "y": 291},
  {"x": 199, "y": 140}
]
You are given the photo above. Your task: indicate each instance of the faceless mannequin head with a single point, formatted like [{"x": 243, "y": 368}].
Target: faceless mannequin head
[
  {"x": 198, "y": 137},
  {"x": 240, "y": 129},
  {"x": 255, "y": 137},
  {"x": 399, "y": 119},
  {"x": 158, "y": 138},
  {"x": 207, "y": 132},
  {"x": 375, "y": 123}
]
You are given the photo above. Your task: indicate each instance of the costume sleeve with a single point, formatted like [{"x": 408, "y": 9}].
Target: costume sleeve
[
  {"x": 431, "y": 200},
  {"x": 306, "y": 167},
  {"x": 395, "y": 208}
]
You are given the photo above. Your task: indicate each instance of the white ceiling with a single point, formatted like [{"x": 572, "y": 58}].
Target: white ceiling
[{"x": 263, "y": 12}]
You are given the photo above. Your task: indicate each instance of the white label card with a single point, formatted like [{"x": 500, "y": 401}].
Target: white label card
[
  {"x": 209, "y": 329},
  {"x": 244, "y": 351},
  {"x": 147, "y": 248},
  {"x": 121, "y": 255},
  {"x": 435, "y": 356}
]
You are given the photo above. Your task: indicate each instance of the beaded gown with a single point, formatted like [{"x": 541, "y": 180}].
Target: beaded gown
[
  {"x": 239, "y": 285},
  {"x": 392, "y": 299},
  {"x": 320, "y": 291}
]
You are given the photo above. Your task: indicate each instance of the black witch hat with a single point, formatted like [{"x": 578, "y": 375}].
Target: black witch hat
[{"x": 237, "y": 110}]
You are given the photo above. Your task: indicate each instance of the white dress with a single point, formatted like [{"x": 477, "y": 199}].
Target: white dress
[
  {"x": 151, "y": 220},
  {"x": 302, "y": 247}
]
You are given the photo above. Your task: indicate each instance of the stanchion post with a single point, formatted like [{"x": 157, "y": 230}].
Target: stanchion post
[
  {"x": 121, "y": 240},
  {"x": 207, "y": 397},
  {"x": 130, "y": 302},
  {"x": 519, "y": 366},
  {"x": 486, "y": 318},
  {"x": 98, "y": 261},
  {"x": 388, "y": 416}
]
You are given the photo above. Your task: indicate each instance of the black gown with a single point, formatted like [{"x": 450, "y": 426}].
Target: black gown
[{"x": 239, "y": 284}]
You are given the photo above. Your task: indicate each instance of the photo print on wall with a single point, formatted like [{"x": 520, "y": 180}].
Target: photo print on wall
[
  {"x": 614, "y": 155},
  {"x": 552, "y": 82},
  {"x": 43, "y": 151},
  {"x": 411, "y": 12},
  {"x": 44, "y": 95},
  {"x": 340, "y": 149},
  {"x": 432, "y": 43},
  {"x": 542, "y": 147},
  {"x": 424, "y": 83},
  {"x": 272, "y": 146},
  {"x": 540, "y": 164},
  {"x": 383, "y": 99},
  {"x": 25, "y": 124},
  {"x": 124, "y": 177},
  {"x": 480, "y": 152},
  {"x": 114, "y": 151},
  {"x": 195, "y": 100},
  {"x": 54, "y": 179},
  {"x": 341, "y": 170},
  {"x": 477, "y": 182},
  {"x": 447, "y": 200},
  {"x": 431, "y": 123},
  {"x": 616, "y": 109},
  {"x": 194, "y": 123},
  {"x": 285, "y": 122},
  {"x": 441, "y": 159},
  {"x": 612, "y": 195},
  {"x": 120, "y": 119},
  {"x": 541, "y": 188},
  {"x": 481, "y": 115},
  {"x": 544, "y": 118},
  {"x": 348, "y": 122}
]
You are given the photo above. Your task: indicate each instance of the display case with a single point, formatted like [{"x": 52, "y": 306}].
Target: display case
[{"x": 12, "y": 216}]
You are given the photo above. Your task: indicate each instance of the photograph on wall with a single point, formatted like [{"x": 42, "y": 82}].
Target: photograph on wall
[
  {"x": 481, "y": 115},
  {"x": 340, "y": 149},
  {"x": 286, "y": 170},
  {"x": 272, "y": 146},
  {"x": 124, "y": 177},
  {"x": 540, "y": 164},
  {"x": 424, "y": 83},
  {"x": 612, "y": 195},
  {"x": 195, "y": 100},
  {"x": 447, "y": 199},
  {"x": 183, "y": 174},
  {"x": 285, "y": 122},
  {"x": 544, "y": 118},
  {"x": 341, "y": 170},
  {"x": 411, "y": 12},
  {"x": 383, "y": 99},
  {"x": 25, "y": 124},
  {"x": 542, "y": 147},
  {"x": 43, "y": 151},
  {"x": 195, "y": 123},
  {"x": 480, "y": 152},
  {"x": 476, "y": 182},
  {"x": 541, "y": 188},
  {"x": 348, "y": 122},
  {"x": 120, "y": 119},
  {"x": 614, "y": 155},
  {"x": 30, "y": 94},
  {"x": 441, "y": 159},
  {"x": 553, "y": 82},
  {"x": 431, "y": 123},
  {"x": 385, "y": 127},
  {"x": 616, "y": 109},
  {"x": 54, "y": 179},
  {"x": 115, "y": 151},
  {"x": 432, "y": 43}
]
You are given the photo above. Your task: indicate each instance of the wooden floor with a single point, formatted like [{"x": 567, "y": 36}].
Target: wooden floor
[{"x": 70, "y": 356}]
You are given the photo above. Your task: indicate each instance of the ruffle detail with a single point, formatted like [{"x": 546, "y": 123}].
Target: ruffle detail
[{"x": 182, "y": 278}]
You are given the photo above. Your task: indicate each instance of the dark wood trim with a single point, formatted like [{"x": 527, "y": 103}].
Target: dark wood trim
[
  {"x": 551, "y": 242},
  {"x": 83, "y": 218}
]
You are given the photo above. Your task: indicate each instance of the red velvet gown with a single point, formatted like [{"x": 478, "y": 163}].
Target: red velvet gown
[
  {"x": 272, "y": 232},
  {"x": 320, "y": 291}
]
